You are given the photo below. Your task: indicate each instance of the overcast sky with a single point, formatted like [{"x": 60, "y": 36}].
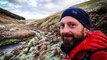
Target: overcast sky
[{"x": 36, "y": 9}]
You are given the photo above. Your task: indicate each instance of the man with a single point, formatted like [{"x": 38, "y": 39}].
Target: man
[{"x": 80, "y": 42}]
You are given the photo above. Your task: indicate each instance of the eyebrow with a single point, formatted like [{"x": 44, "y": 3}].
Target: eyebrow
[{"x": 67, "y": 22}]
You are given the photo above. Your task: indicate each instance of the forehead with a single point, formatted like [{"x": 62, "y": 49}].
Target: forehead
[{"x": 68, "y": 19}]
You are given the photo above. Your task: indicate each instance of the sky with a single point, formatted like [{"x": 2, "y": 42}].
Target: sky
[{"x": 37, "y": 9}]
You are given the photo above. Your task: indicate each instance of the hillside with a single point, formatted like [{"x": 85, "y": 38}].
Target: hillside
[{"x": 9, "y": 17}]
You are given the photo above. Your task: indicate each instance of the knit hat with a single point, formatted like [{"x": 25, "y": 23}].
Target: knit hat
[{"x": 78, "y": 14}]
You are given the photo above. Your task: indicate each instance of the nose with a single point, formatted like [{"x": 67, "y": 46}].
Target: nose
[{"x": 66, "y": 29}]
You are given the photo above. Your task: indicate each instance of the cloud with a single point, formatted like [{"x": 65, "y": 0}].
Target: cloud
[
  {"x": 32, "y": 3},
  {"x": 10, "y": 5},
  {"x": 49, "y": 5},
  {"x": 37, "y": 8},
  {"x": 2, "y": 2},
  {"x": 30, "y": 15}
]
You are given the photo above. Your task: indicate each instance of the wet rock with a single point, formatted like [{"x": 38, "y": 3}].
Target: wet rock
[{"x": 16, "y": 51}]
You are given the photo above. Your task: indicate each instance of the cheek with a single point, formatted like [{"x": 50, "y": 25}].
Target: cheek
[{"x": 78, "y": 33}]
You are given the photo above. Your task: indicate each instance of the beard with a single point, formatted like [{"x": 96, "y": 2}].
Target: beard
[{"x": 70, "y": 40}]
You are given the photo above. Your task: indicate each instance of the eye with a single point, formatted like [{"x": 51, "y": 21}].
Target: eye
[{"x": 71, "y": 25}]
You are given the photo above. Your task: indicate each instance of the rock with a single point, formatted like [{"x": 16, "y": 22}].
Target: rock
[{"x": 16, "y": 51}]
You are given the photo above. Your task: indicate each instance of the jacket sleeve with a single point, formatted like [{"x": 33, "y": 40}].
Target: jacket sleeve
[{"x": 100, "y": 55}]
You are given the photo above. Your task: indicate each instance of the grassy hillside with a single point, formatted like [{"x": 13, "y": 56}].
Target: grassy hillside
[
  {"x": 10, "y": 14},
  {"x": 7, "y": 17}
]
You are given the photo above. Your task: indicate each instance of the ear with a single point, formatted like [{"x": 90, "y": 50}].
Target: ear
[{"x": 86, "y": 31}]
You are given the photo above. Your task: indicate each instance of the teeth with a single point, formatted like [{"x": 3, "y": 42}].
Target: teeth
[{"x": 67, "y": 38}]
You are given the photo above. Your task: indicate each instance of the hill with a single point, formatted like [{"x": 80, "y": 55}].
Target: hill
[{"x": 9, "y": 17}]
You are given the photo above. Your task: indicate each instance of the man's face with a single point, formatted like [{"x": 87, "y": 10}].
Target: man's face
[{"x": 72, "y": 31}]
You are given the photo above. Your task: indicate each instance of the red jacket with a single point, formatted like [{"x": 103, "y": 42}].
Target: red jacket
[{"x": 95, "y": 41}]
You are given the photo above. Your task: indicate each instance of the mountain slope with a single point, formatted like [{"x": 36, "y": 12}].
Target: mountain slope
[{"x": 9, "y": 17}]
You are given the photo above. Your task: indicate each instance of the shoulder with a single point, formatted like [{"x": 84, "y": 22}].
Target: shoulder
[{"x": 100, "y": 55}]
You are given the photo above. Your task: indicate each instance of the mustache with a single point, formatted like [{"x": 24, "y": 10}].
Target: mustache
[{"x": 67, "y": 35}]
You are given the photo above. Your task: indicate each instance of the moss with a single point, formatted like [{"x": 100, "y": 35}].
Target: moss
[
  {"x": 8, "y": 41},
  {"x": 7, "y": 56}
]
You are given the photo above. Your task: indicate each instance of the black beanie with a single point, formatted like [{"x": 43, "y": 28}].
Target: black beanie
[{"x": 78, "y": 14}]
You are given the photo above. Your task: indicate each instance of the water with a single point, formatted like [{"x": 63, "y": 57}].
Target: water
[
  {"x": 36, "y": 33},
  {"x": 9, "y": 48}
]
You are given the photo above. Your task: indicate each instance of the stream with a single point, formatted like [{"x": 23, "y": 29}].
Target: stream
[{"x": 9, "y": 48}]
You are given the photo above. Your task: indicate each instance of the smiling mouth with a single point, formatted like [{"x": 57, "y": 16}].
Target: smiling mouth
[{"x": 67, "y": 38}]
